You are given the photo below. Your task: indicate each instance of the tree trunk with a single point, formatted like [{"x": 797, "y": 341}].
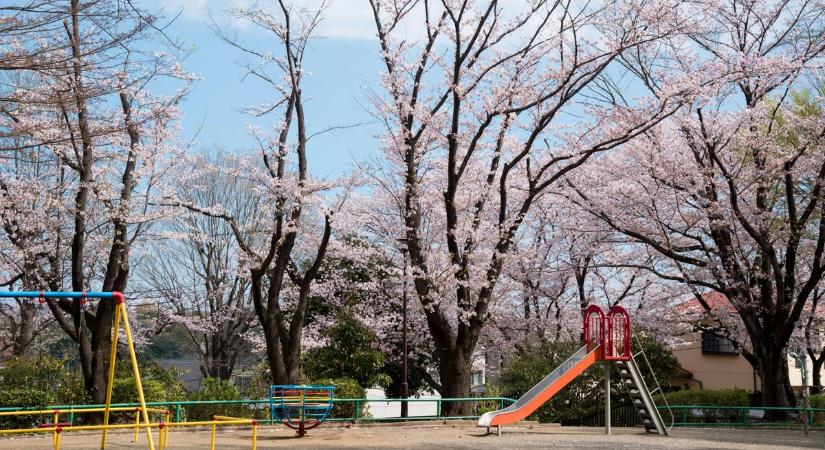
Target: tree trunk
[
  {"x": 816, "y": 374},
  {"x": 95, "y": 354},
  {"x": 772, "y": 370},
  {"x": 25, "y": 328},
  {"x": 454, "y": 370}
]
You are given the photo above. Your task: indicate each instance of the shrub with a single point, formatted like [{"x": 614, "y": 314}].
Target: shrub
[
  {"x": 709, "y": 397},
  {"x": 352, "y": 353},
  {"x": 345, "y": 388},
  {"x": 524, "y": 370},
  {"x": 818, "y": 401},
  {"x": 216, "y": 389},
  {"x": 37, "y": 382}
]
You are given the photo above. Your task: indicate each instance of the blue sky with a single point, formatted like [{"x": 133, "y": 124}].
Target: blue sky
[{"x": 340, "y": 65}]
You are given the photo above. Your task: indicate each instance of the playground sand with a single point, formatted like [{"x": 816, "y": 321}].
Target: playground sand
[{"x": 445, "y": 436}]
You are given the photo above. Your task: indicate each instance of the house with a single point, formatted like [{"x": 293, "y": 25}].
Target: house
[{"x": 710, "y": 361}]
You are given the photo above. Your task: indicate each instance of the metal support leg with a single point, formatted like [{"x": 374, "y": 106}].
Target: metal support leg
[
  {"x": 607, "y": 429},
  {"x": 498, "y": 430}
]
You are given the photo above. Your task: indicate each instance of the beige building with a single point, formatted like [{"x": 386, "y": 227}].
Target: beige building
[{"x": 711, "y": 362}]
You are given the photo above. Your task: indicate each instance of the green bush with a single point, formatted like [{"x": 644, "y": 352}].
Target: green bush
[
  {"x": 709, "y": 397},
  {"x": 345, "y": 388},
  {"x": 352, "y": 352},
  {"x": 125, "y": 391},
  {"x": 818, "y": 401},
  {"x": 216, "y": 389},
  {"x": 37, "y": 382},
  {"x": 537, "y": 360}
]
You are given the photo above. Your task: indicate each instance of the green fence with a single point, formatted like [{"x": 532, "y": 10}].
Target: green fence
[
  {"x": 260, "y": 408},
  {"x": 684, "y": 415},
  {"x": 727, "y": 416}
]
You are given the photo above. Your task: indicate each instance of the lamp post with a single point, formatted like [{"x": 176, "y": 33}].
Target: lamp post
[
  {"x": 800, "y": 358},
  {"x": 405, "y": 387}
]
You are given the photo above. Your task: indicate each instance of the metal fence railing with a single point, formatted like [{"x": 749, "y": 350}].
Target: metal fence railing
[
  {"x": 709, "y": 415},
  {"x": 362, "y": 410},
  {"x": 344, "y": 409}
]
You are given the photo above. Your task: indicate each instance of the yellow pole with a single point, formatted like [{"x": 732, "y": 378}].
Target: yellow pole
[
  {"x": 137, "y": 422},
  {"x": 136, "y": 374},
  {"x": 166, "y": 430},
  {"x": 214, "y": 428},
  {"x": 57, "y": 438},
  {"x": 161, "y": 440},
  {"x": 254, "y": 435},
  {"x": 112, "y": 356}
]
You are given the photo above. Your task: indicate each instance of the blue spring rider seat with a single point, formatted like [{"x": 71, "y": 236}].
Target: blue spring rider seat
[{"x": 300, "y": 407}]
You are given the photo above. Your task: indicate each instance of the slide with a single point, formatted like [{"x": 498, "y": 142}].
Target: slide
[{"x": 543, "y": 391}]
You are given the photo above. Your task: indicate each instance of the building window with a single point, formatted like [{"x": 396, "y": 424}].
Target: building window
[
  {"x": 715, "y": 345},
  {"x": 477, "y": 378}
]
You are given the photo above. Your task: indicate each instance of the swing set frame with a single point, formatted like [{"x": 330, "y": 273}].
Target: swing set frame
[{"x": 121, "y": 316}]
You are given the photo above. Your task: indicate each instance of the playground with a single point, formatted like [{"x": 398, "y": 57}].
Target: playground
[
  {"x": 459, "y": 435},
  {"x": 293, "y": 410}
]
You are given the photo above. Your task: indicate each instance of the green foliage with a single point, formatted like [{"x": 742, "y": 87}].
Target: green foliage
[
  {"x": 818, "y": 401},
  {"x": 37, "y": 382},
  {"x": 259, "y": 383},
  {"x": 345, "y": 388},
  {"x": 166, "y": 382},
  {"x": 216, "y": 389},
  {"x": 534, "y": 363},
  {"x": 351, "y": 353},
  {"x": 710, "y": 397},
  {"x": 665, "y": 366},
  {"x": 125, "y": 391},
  {"x": 482, "y": 407}
]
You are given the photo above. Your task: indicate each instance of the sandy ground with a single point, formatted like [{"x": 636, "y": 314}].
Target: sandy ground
[{"x": 441, "y": 436}]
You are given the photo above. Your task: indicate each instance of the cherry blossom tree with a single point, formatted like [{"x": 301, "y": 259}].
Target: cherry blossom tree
[
  {"x": 283, "y": 249},
  {"x": 197, "y": 273},
  {"x": 727, "y": 196},
  {"x": 85, "y": 147},
  {"x": 487, "y": 107}
]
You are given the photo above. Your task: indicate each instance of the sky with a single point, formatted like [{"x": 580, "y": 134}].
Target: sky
[{"x": 341, "y": 64}]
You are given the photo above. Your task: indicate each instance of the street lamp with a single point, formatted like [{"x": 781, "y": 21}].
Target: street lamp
[
  {"x": 800, "y": 358},
  {"x": 405, "y": 387}
]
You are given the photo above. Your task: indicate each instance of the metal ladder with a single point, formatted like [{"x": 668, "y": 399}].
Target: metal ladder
[{"x": 640, "y": 395}]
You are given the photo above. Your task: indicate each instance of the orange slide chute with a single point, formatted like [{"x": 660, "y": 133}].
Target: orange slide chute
[{"x": 543, "y": 391}]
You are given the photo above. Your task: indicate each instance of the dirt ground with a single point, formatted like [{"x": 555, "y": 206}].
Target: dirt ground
[{"x": 441, "y": 436}]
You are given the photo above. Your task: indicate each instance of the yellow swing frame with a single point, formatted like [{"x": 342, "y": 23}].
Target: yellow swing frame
[{"x": 121, "y": 315}]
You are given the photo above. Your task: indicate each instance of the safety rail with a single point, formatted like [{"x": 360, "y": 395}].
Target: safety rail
[
  {"x": 658, "y": 388},
  {"x": 685, "y": 415},
  {"x": 722, "y": 416},
  {"x": 261, "y": 407}
]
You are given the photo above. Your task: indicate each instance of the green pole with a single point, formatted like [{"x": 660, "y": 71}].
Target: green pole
[
  {"x": 177, "y": 412},
  {"x": 438, "y": 408}
]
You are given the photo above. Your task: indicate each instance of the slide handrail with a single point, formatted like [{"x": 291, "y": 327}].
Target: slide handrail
[{"x": 655, "y": 380}]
